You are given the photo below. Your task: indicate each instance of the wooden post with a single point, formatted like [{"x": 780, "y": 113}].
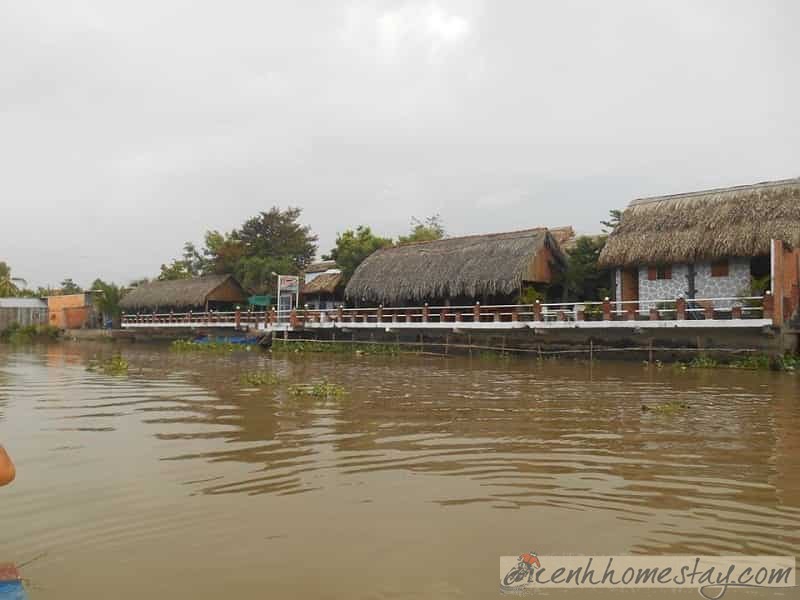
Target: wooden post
[
  {"x": 607, "y": 309},
  {"x": 736, "y": 312},
  {"x": 497, "y": 315},
  {"x": 537, "y": 311},
  {"x": 293, "y": 320},
  {"x": 514, "y": 314},
  {"x": 680, "y": 309},
  {"x": 380, "y": 313},
  {"x": 654, "y": 316},
  {"x": 708, "y": 310},
  {"x": 425, "y": 313},
  {"x": 562, "y": 315},
  {"x": 769, "y": 305},
  {"x": 238, "y": 318},
  {"x": 339, "y": 314},
  {"x": 409, "y": 316},
  {"x": 476, "y": 312},
  {"x": 394, "y": 316},
  {"x": 458, "y": 316},
  {"x": 580, "y": 315},
  {"x": 630, "y": 313}
]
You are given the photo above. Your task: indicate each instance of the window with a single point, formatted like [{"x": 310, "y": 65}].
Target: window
[
  {"x": 659, "y": 272},
  {"x": 720, "y": 268}
]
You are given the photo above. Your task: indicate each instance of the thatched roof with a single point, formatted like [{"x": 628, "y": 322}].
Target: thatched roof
[
  {"x": 565, "y": 236},
  {"x": 320, "y": 266},
  {"x": 178, "y": 293},
  {"x": 325, "y": 283},
  {"x": 683, "y": 228},
  {"x": 464, "y": 266}
]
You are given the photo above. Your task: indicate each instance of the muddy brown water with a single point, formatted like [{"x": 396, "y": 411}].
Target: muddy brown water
[{"x": 178, "y": 481}]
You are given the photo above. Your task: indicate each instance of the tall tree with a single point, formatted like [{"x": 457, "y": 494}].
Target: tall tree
[
  {"x": 352, "y": 247},
  {"x": 278, "y": 234},
  {"x": 107, "y": 299},
  {"x": 614, "y": 215},
  {"x": 584, "y": 280},
  {"x": 70, "y": 287},
  {"x": 426, "y": 230},
  {"x": 8, "y": 284}
]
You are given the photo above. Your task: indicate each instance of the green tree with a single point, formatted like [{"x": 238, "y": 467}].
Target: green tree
[
  {"x": 277, "y": 234},
  {"x": 429, "y": 229},
  {"x": 107, "y": 298},
  {"x": 70, "y": 287},
  {"x": 614, "y": 216},
  {"x": 8, "y": 284},
  {"x": 192, "y": 264},
  {"x": 584, "y": 280},
  {"x": 352, "y": 247}
]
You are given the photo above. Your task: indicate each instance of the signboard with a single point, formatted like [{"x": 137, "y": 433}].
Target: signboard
[{"x": 288, "y": 295}]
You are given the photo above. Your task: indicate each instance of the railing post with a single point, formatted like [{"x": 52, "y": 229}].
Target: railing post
[
  {"x": 630, "y": 313},
  {"x": 607, "y": 309},
  {"x": 680, "y": 309},
  {"x": 425, "y": 313},
  {"x": 736, "y": 312},
  {"x": 305, "y": 314},
  {"x": 654, "y": 316},
  {"x": 458, "y": 316},
  {"x": 580, "y": 315},
  {"x": 237, "y": 319},
  {"x": 769, "y": 305},
  {"x": 340, "y": 313},
  {"x": 394, "y": 316},
  {"x": 379, "y": 314},
  {"x": 497, "y": 316},
  {"x": 476, "y": 312},
  {"x": 294, "y": 322},
  {"x": 514, "y": 314},
  {"x": 537, "y": 311},
  {"x": 562, "y": 315},
  {"x": 708, "y": 310}
]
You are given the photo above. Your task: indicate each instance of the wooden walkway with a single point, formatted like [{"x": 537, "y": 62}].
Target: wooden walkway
[{"x": 750, "y": 312}]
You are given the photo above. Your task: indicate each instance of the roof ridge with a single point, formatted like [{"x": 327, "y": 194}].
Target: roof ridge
[
  {"x": 761, "y": 184},
  {"x": 468, "y": 236}
]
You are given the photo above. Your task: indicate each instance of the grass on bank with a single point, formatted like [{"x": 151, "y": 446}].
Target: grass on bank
[
  {"x": 752, "y": 362},
  {"x": 344, "y": 347},
  {"x": 17, "y": 334},
  {"x": 185, "y": 346}
]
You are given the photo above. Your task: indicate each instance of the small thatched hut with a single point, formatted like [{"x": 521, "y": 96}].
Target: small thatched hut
[
  {"x": 322, "y": 285},
  {"x": 491, "y": 268},
  {"x": 707, "y": 244},
  {"x": 215, "y": 292}
]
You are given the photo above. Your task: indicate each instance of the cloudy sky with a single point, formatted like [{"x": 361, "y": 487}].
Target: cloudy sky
[{"x": 127, "y": 128}]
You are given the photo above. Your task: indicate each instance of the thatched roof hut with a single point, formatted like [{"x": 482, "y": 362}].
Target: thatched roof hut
[
  {"x": 324, "y": 283},
  {"x": 707, "y": 225},
  {"x": 467, "y": 267},
  {"x": 197, "y": 292}
]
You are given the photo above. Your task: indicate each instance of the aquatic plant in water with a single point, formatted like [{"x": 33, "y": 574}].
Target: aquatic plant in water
[
  {"x": 323, "y": 389},
  {"x": 115, "y": 365},
  {"x": 210, "y": 347},
  {"x": 667, "y": 408},
  {"x": 16, "y": 334},
  {"x": 259, "y": 378}
]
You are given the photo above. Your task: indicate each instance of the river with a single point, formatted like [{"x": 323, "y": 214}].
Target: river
[{"x": 177, "y": 480}]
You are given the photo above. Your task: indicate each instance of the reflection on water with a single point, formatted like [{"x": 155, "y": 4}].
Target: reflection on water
[{"x": 434, "y": 465}]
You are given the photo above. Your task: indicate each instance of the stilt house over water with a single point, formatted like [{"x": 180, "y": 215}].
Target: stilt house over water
[
  {"x": 719, "y": 243},
  {"x": 491, "y": 269}
]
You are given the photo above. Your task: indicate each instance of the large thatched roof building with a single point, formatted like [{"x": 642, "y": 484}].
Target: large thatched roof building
[
  {"x": 708, "y": 244},
  {"x": 322, "y": 285},
  {"x": 210, "y": 291},
  {"x": 718, "y": 223},
  {"x": 484, "y": 267}
]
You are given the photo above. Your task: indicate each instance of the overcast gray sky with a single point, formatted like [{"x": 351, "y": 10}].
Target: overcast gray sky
[{"x": 127, "y": 128}]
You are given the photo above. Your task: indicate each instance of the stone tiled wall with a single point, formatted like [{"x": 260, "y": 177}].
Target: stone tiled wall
[{"x": 735, "y": 284}]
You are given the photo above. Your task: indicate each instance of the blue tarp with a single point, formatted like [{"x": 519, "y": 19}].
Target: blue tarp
[{"x": 12, "y": 590}]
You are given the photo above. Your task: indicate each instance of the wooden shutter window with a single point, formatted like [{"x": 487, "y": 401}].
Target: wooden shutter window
[
  {"x": 652, "y": 273},
  {"x": 720, "y": 268}
]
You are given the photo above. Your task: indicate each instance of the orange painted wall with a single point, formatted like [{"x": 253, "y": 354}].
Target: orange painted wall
[
  {"x": 68, "y": 312},
  {"x": 791, "y": 280}
]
